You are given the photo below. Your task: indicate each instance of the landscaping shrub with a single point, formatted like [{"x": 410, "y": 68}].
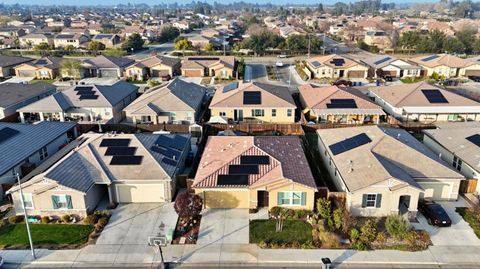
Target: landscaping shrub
[
  {"x": 45, "y": 219},
  {"x": 368, "y": 232},
  {"x": 90, "y": 219},
  {"x": 300, "y": 214},
  {"x": 187, "y": 204},
  {"x": 323, "y": 237},
  {"x": 15, "y": 219},
  {"x": 381, "y": 238},
  {"x": 397, "y": 227},
  {"x": 66, "y": 218},
  {"x": 354, "y": 235},
  {"x": 102, "y": 222},
  {"x": 324, "y": 208},
  {"x": 338, "y": 214}
]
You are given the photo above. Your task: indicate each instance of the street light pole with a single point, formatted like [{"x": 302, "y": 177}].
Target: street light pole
[
  {"x": 309, "y": 45},
  {"x": 26, "y": 216}
]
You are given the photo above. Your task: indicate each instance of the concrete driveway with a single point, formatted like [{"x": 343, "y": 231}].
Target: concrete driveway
[
  {"x": 459, "y": 234},
  {"x": 224, "y": 226},
  {"x": 132, "y": 224}
]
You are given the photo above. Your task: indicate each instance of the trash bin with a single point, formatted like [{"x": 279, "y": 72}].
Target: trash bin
[
  {"x": 378, "y": 82},
  {"x": 359, "y": 83},
  {"x": 326, "y": 263}
]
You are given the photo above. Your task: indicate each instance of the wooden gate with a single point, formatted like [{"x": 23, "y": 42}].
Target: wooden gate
[{"x": 468, "y": 186}]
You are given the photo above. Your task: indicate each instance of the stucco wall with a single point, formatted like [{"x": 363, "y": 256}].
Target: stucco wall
[{"x": 281, "y": 114}]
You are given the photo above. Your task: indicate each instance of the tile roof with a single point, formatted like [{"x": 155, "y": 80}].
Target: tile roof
[
  {"x": 14, "y": 93},
  {"x": 6, "y": 61},
  {"x": 196, "y": 62},
  {"x": 326, "y": 60},
  {"x": 109, "y": 62},
  {"x": 441, "y": 59},
  {"x": 157, "y": 60}
]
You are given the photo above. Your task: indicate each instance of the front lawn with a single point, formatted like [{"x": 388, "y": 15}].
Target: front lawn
[
  {"x": 48, "y": 235},
  {"x": 294, "y": 232},
  {"x": 472, "y": 217}
]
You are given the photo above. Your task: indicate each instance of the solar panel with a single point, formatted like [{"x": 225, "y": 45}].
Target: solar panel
[
  {"x": 7, "y": 133},
  {"x": 434, "y": 96},
  {"x": 254, "y": 159},
  {"x": 232, "y": 180},
  {"x": 115, "y": 142},
  {"x": 126, "y": 160},
  {"x": 338, "y": 62},
  {"x": 350, "y": 143},
  {"x": 204, "y": 58},
  {"x": 85, "y": 92},
  {"x": 429, "y": 58},
  {"x": 381, "y": 61},
  {"x": 173, "y": 153},
  {"x": 41, "y": 62},
  {"x": 316, "y": 63},
  {"x": 252, "y": 98},
  {"x": 169, "y": 161},
  {"x": 159, "y": 149},
  {"x": 164, "y": 141},
  {"x": 243, "y": 169},
  {"x": 88, "y": 97},
  {"x": 126, "y": 151},
  {"x": 83, "y": 88},
  {"x": 342, "y": 103},
  {"x": 475, "y": 139},
  {"x": 179, "y": 142},
  {"x": 230, "y": 87}
]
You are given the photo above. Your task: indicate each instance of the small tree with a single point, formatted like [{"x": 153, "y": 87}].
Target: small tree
[
  {"x": 95, "y": 47},
  {"x": 324, "y": 207},
  {"x": 279, "y": 214},
  {"x": 183, "y": 44},
  {"x": 188, "y": 205},
  {"x": 70, "y": 68},
  {"x": 69, "y": 48},
  {"x": 368, "y": 231},
  {"x": 209, "y": 47},
  {"x": 133, "y": 42}
]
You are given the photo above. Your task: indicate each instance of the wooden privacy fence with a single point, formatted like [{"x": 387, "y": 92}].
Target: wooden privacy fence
[
  {"x": 257, "y": 128},
  {"x": 133, "y": 128},
  {"x": 468, "y": 186}
]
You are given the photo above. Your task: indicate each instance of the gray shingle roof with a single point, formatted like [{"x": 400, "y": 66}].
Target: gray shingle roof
[
  {"x": 73, "y": 173},
  {"x": 109, "y": 62},
  {"x": 12, "y": 60},
  {"x": 13, "y": 93},
  {"x": 30, "y": 139},
  {"x": 190, "y": 93}
]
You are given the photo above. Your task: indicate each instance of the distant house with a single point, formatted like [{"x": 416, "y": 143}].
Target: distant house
[
  {"x": 338, "y": 105},
  {"x": 106, "y": 66},
  {"x": 32, "y": 40},
  {"x": 109, "y": 40},
  {"x": 179, "y": 101},
  {"x": 378, "y": 38},
  {"x": 85, "y": 103},
  {"x": 7, "y": 64},
  {"x": 76, "y": 40},
  {"x": 446, "y": 65},
  {"x": 243, "y": 102},
  {"x": 17, "y": 95},
  {"x": 424, "y": 103},
  {"x": 43, "y": 68},
  {"x": 153, "y": 67},
  {"x": 255, "y": 172},
  {"x": 209, "y": 66},
  {"x": 382, "y": 66},
  {"x": 125, "y": 168},
  {"x": 384, "y": 171},
  {"x": 12, "y": 32},
  {"x": 336, "y": 66},
  {"x": 25, "y": 146}
]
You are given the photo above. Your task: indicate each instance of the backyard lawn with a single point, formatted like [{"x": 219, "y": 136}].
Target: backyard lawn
[
  {"x": 15, "y": 235},
  {"x": 294, "y": 231},
  {"x": 49, "y": 81}
]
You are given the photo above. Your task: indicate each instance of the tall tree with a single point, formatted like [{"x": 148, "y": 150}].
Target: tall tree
[{"x": 133, "y": 42}]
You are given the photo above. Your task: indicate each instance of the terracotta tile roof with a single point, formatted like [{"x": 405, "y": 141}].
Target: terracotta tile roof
[{"x": 441, "y": 59}]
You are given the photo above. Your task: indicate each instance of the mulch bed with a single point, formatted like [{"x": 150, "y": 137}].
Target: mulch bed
[{"x": 187, "y": 230}]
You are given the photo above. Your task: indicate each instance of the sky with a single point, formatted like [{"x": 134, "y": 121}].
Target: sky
[{"x": 153, "y": 2}]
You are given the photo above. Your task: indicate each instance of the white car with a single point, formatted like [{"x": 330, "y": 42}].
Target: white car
[
  {"x": 282, "y": 56},
  {"x": 279, "y": 64}
]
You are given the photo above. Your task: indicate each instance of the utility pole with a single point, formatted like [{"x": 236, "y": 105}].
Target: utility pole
[
  {"x": 26, "y": 216},
  {"x": 323, "y": 45},
  {"x": 309, "y": 45}
]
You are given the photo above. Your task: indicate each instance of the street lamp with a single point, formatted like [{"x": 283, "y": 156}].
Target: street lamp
[{"x": 26, "y": 216}]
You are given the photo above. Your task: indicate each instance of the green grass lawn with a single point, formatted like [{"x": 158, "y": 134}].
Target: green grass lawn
[
  {"x": 293, "y": 231},
  {"x": 472, "y": 217},
  {"x": 49, "y": 81},
  {"x": 44, "y": 234}
]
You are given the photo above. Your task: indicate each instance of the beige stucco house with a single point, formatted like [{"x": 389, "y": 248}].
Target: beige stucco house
[
  {"x": 446, "y": 65},
  {"x": 336, "y": 66},
  {"x": 209, "y": 66},
  {"x": 153, "y": 67},
  {"x": 32, "y": 40},
  {"x": 253, "y": 172},
  {"x": 43, "y": 68},
  {"x": 385, "y": 171},
  {"x": 76, "y": 40}
]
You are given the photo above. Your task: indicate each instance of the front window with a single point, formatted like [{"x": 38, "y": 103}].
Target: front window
[
  {"x": 274, "y": 112},
  {"x": 258, "y": 112},
  {"x": 62, "y": 201},
  {"x": 43, "y": 153},
  {"x": 28, "y": 200},
  {"x": 173, "y": 116},
  {"x": 291, "y": 198},
  {"x": 457, "y": 163},
  {"x": 222, "y": 114},
  {"x": 371, "y": 200},
  {"x": 289, "y": 112}
]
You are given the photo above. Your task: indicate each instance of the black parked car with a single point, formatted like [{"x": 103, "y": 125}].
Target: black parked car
[
  {"x": 434, "y": 213},
  {"x": 475, "y": 78}
]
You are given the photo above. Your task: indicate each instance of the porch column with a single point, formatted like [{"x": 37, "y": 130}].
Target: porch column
[
  {"x": 110, "y": 198},
  {"x": 62, "y": 116},
  {"x": 41, "y": 116},
  {"x": 22, "y": 117}
]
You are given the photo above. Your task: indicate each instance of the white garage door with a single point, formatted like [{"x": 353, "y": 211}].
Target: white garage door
[
  {"x": 107, "y": 73},
  {"x": 437, "y": 191},
  {"x": 140, "y": 193}
]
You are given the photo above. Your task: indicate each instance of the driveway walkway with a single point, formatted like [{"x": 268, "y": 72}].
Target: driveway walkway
[{"x": 224, "y": 226}]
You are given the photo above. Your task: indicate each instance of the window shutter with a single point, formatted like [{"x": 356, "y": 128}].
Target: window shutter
[
  {"x": 304, "y": 198},
  {"x": 55, "y": 202},
  {"x": 279, "y": 198},
  {"x": 379, "y": 200},
  {"x": 364, "y": 201},
  {"x": 69, "y": 201}
]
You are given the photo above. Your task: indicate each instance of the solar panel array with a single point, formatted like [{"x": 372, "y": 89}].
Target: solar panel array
[
  {"x": 120, "y": 151},
  {"x": 171, "y": 148},
  {"x": 86, "y": 93},
  {"x": 337, "y": 61},
  {"x": 316, "y": 63},
  {"x": 429, "y": 58},
  {"x": 381, "y": 61},
  {"x": 342, "y": 103},
  {"x": 65, "y": 36},
  {"x": 350, "y": 143},
  {"x": 475, "y": 139},
  {"x": 41, "y": 62},
  {"x": 435, "y": 96},
  {"x": 7, "y": 133},
  {"x": 252, "y": 98},
  {"x": 238, "y": 173},
  {"x": 230, "y": 87},
  {"x": 204, "y": 58}
]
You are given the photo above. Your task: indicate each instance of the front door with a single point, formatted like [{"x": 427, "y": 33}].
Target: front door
[
  {"x": 341, "y": 73},
  {"x": 403, "y": 204},
  {"x": 238, "y": 115},
  {"x": 262, "y": 199}
]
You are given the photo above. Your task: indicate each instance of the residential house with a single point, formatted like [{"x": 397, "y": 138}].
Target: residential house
[
  {"x": 336, "y": 66},
  {"x": 177, "y": 102},
  {"x": 15, "y": 32},
  {"x": 181, "y": 25},
  {"x": 77, "y": 30},
  {"x": 17, "y": 95},
  {"x": 335, "y": 104},
  {"x": 457, "y": 144},
  {"x": 378, "y": 38},
  {"x": 253, "y": 101},
  {"x": 153, "y": 67},
  {"x": 254, "y": 172},
  {"x": 445, "y": 65},
  {"x": 213, "y": 66},
  {"x": 424, "y": 103},
  {"x": 384, "y": 171},
  {"x": 76, "y": 40},
  {"x": 109, "y": 40},
  {"x": 25, "y": 146},
  {"x": 106, "y": 66},
  {"x": 34, "y": 39},
  {"x": 335, "y": 29},
  {"x": 43, "y": 68},
  {"x": 83, "y": 103},
  {"x": 126, "y": 168},
  {"x": 381, "y": 66},
  {"x": 7, "y": 64}
]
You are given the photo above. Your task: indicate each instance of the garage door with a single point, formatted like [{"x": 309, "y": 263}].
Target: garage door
[
  {"x": 436, "y": 191},
  {"x": 226, "y": 199},
  {"x": 356, "y": 74},
  {"x": 140, "y": 193},
  {"x": 26, "y": 73},
  {"x": 472, "y": 73},
  {"x": 193, "y": 73},
  {"x": 389, "y": 73},
  {"x": 159, "y": 73},
  {"x": 108, "y": 73}
]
